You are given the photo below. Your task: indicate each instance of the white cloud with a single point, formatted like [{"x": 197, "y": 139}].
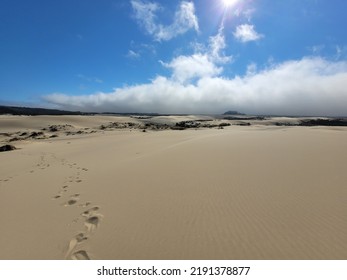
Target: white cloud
[
  {"x": 246, "y": 33},
  {"x": 145, "y": 14},
  {"x": 203, "y": 63},
  {"x": 251, "y": 69},
  {"x": 184, "y": 19},
  {"x": 248, "y": 13},
  {"x": 310, "y": 86},
  {"x": 316, "y": 49},
  {"x": 133, "y": 54},
  {"x": 186, "y": 68},
  {"x": 217, "y": 45},
  {"x": 138, "y": 50}
]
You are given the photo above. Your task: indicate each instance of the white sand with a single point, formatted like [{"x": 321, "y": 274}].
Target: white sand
[{"x": 258, "y": 192}]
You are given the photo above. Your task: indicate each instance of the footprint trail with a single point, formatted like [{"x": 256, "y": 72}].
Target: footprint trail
[{"x": 91, "y": 217}]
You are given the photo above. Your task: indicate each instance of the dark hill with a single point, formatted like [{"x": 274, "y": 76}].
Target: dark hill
[
  {"x": 233, "y": 113},
  {"x": 35, "y": 111}
]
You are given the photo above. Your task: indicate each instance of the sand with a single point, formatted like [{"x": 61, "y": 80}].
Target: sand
[{"x": 242, "y": 192}]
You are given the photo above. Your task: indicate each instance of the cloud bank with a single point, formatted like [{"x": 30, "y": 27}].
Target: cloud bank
[
  {"x": 310, "y": 86},
  {"x": 184, "y": 19}
]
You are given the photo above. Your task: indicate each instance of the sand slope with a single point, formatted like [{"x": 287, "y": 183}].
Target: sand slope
[{"x": 258, "y": 192}]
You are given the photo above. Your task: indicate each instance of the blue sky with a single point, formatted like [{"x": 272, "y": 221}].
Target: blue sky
[{"x": 202, "y": 56}]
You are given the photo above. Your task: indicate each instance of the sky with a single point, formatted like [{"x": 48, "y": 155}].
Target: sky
[{"x": 284, "y": 57}]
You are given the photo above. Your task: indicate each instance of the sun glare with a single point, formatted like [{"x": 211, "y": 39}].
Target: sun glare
[{"x": 229, "y": 3}]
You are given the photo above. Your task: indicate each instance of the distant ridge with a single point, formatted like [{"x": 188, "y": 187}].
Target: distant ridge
[
  {"x": 13, "y": 110},
  {"x": 35, "y": 111}
]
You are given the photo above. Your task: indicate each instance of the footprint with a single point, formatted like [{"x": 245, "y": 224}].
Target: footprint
[
  {"x": 57, "y": 196},
  {"x": 80, "y": 255},
  {"x": 73, "y": 199},
  {"x": 71, "y": 202},
  {"x": 79, "y": 238},
  {"x": 90, "y": 211},
  {"x": 85, "y": 204},
  {"x": 78, "y": 181},
  {"x": 85, "y": 169},
  {"x": 92, "y": 222}
]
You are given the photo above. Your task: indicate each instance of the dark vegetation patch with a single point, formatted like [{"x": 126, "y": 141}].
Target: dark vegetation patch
[
  {"x": 317, "y": 122},
  {"x": 6, "y": 148},
  {"x": 59, "y": 127},
  {"x": 197, "y": 124},
  {"x": 257, "y": 118},
  {"x": 5, "y": 134},
  {"x": 15, "y": 139},
  {"x": 243, "y": 124},
  {"x": 324, "y": 122},
  {"x": 18, "y": 136},
  {"x": 131, "y": 125},
  {"x": 36, "y": 134}
]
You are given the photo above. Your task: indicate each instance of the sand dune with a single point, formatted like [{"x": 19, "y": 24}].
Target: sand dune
[{"x": 244, "y": 192}]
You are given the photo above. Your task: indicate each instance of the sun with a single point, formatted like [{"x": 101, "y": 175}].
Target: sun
[{"x": 229, "y": 3}]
